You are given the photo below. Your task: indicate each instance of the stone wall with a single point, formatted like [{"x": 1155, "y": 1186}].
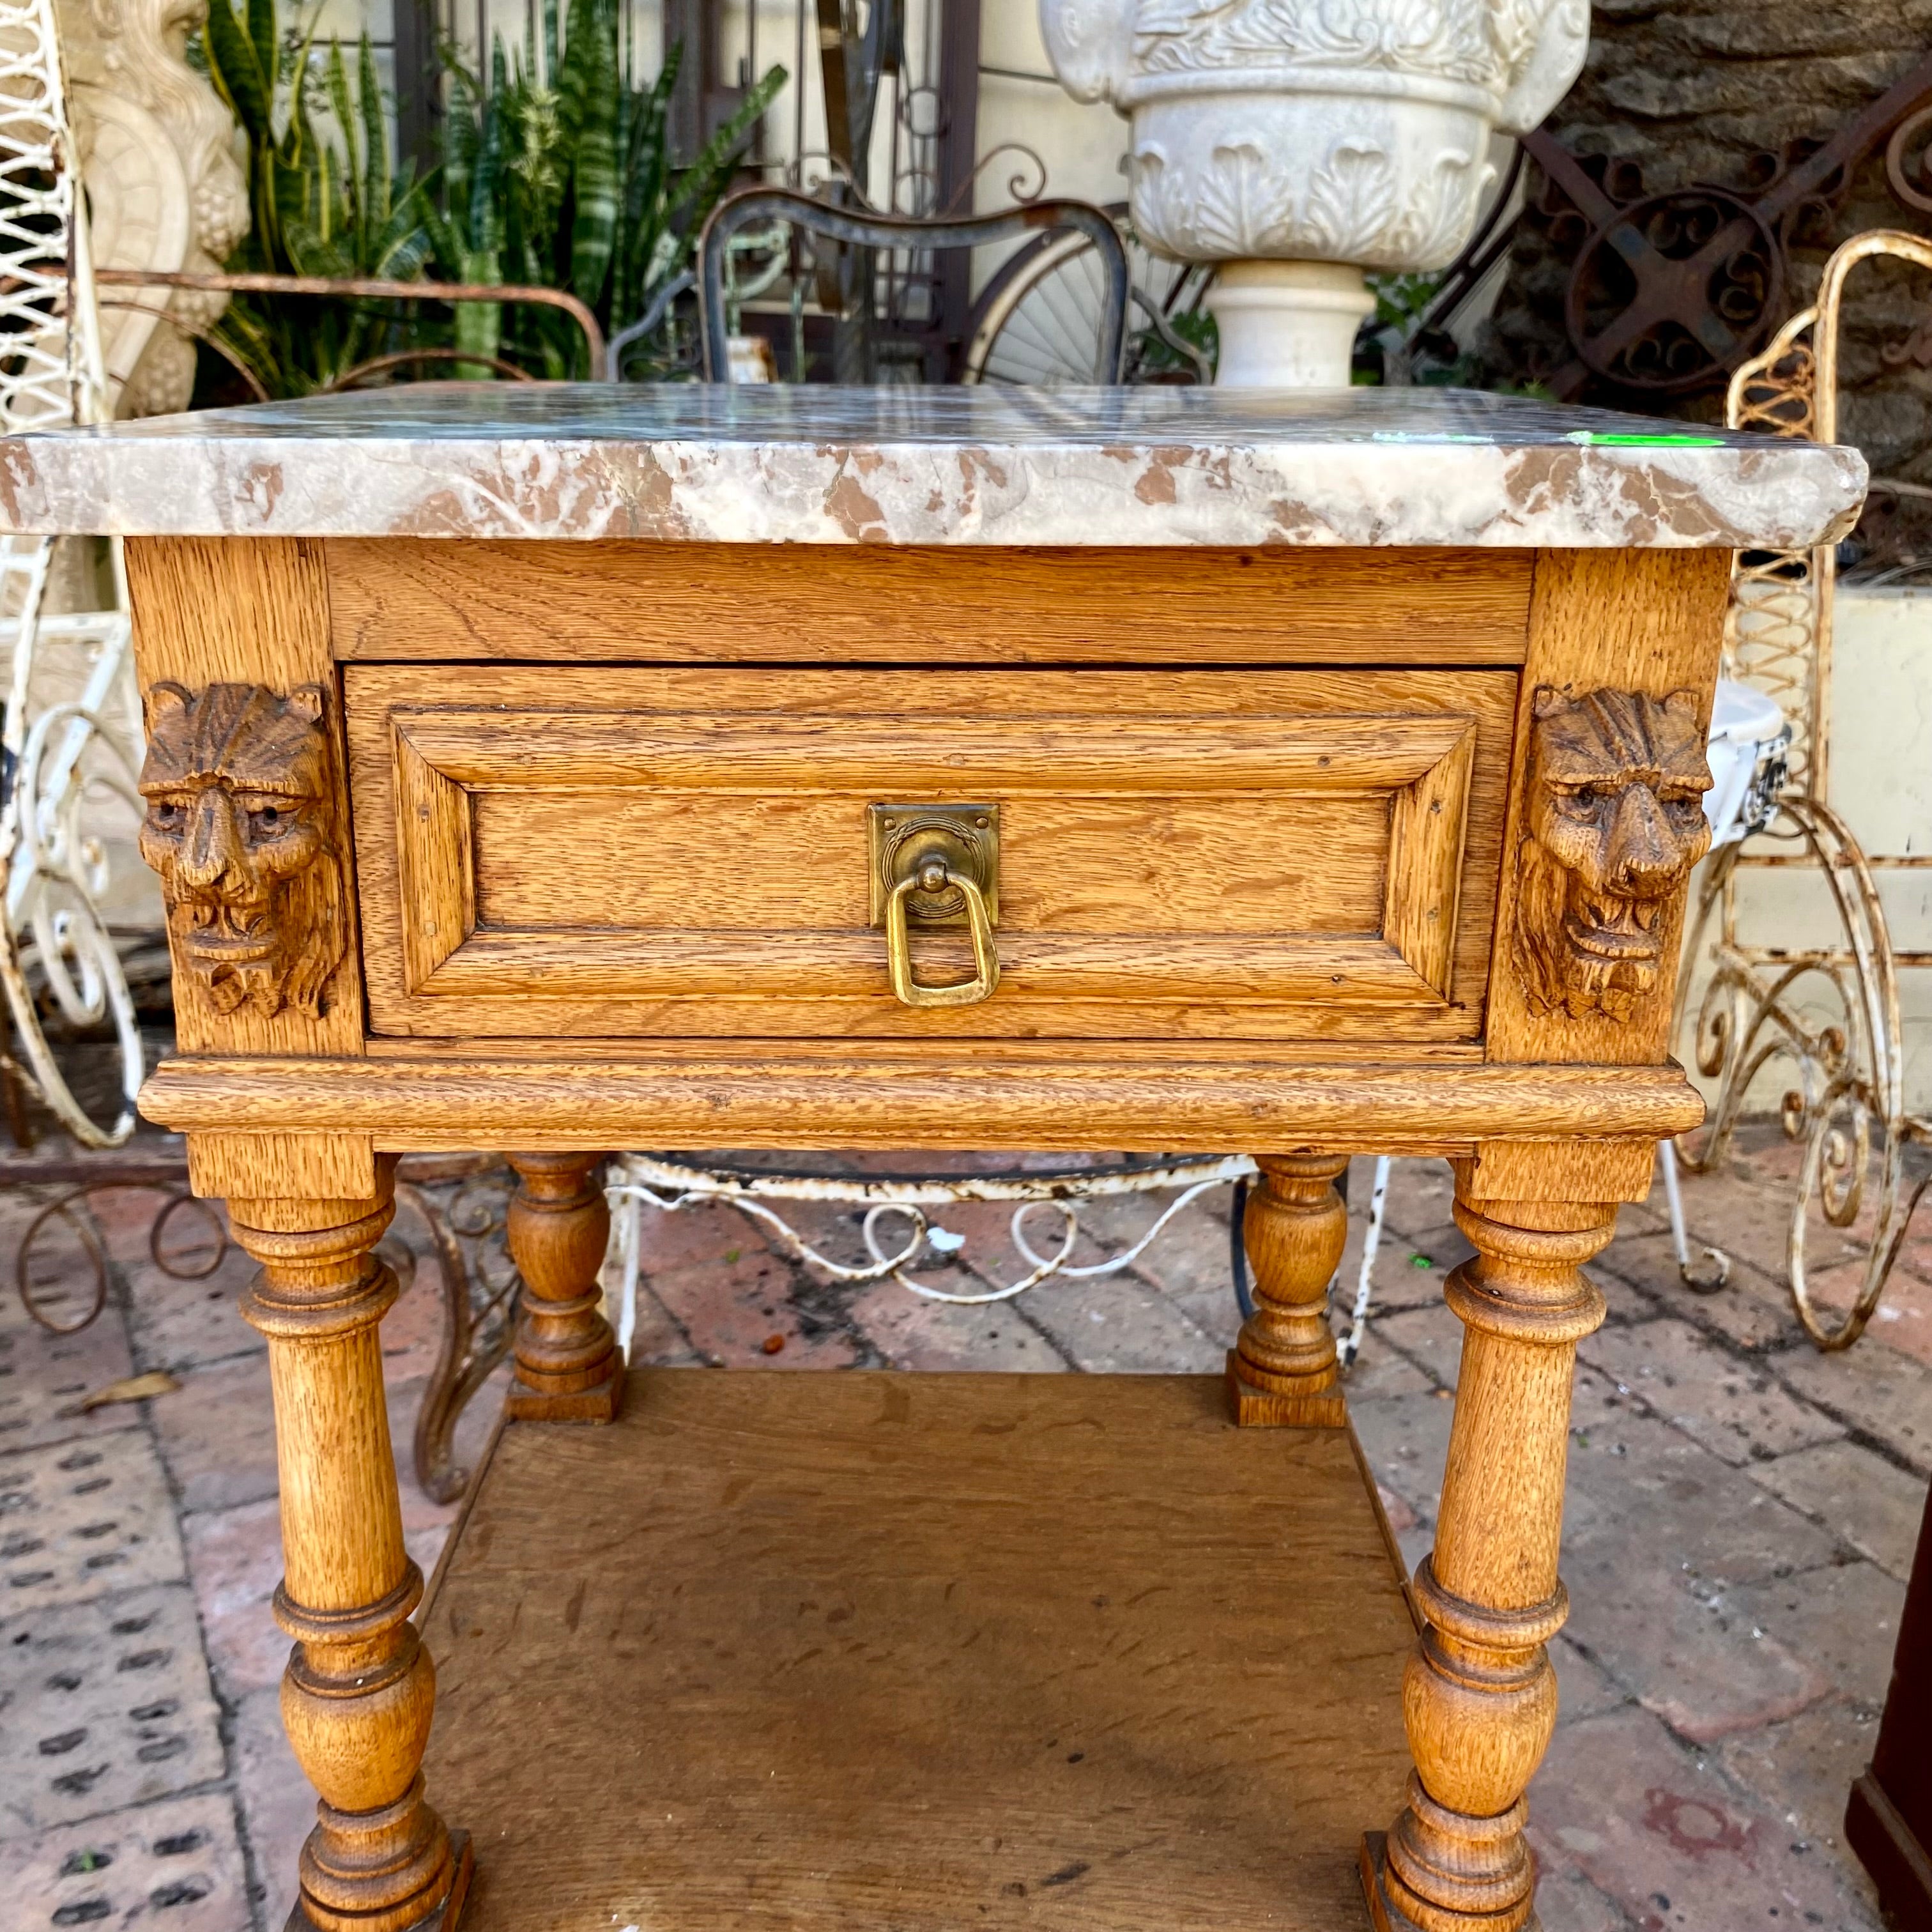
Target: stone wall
[{"x": 1699, "y": 91}]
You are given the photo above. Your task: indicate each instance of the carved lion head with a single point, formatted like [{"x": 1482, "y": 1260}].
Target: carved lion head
[
  {"x": 1614, "y": 822},
  {"x": 239, "y": 827}
]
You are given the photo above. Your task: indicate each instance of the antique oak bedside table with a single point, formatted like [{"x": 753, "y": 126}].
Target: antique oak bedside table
[{"x": 564, "y": 770}]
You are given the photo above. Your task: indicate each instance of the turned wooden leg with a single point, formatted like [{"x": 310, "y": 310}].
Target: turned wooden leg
[
  {"x": 1480, "y": 1696},
  {"x": 567, "y": 1366},
  {"x": 1282, "y": 1370},
  {"x": 359, "y": 1689}
]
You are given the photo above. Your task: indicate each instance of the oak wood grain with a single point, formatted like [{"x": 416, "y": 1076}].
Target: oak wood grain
[
  {"x": 1634, "y": 620},
  {"x": 777, "y": 965},
  {"x": 358, "y": 1693},
  {"x": 883, "y": 1098},
  {"x": 896, "y": 1653},
  {"x": 435, "y": 870},
  {"x": 775, "y": 745},
  {"x": 650, "y": 852},
  {"x": 228, "y": 1167},
  {"x": 708, "y": 603},
  {"x": 668, "y": 1050},
  {"x": 231, "y": 610},
  {"x": 1263, "y": 863},
  {"x": 558, "y": 1227},
  {"x": 1479, "y": 1694},
  {"x": 1283, "y": 1370},
  {"x": 1415, "y": 1025},
  {"x": 1578, "y": 1171},
  {"x": 1428, "y": 833}
]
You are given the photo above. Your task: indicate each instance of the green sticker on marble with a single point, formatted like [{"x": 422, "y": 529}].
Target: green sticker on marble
[{"x": 1665, "y": 440}]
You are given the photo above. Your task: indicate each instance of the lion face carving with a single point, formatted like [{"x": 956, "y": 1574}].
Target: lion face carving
[
  {"x": 1614, "y": 822},
  {"x": 238, "y": 826}
]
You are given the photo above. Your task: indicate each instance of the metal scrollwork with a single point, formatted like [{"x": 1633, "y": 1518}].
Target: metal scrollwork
[
  {"x": 45, "y": 1290},
  {"x": 1830, "y": 1015},
  {"x": 1027, "y": 183},
  {"x": 464, "y": 1201},
  {"x": 639, "y": 1181},
  {"x": 1908, "y": 162},
  {"x": 1825, "y": 1014},
  {"x": 1670, "y": 291}
]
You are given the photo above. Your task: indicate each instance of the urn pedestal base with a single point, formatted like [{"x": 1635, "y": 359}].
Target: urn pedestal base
[{"x": 1288, "y": 325}]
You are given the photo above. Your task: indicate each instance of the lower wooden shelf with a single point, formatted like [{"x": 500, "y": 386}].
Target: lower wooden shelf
[{"x": 894, "y": 1653}]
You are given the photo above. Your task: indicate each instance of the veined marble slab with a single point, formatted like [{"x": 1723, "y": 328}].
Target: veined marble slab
[{"x": 783, "y": 464}]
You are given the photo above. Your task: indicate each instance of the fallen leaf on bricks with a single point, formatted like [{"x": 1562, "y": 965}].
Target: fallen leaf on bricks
[{"x": 129, "y": 1388}]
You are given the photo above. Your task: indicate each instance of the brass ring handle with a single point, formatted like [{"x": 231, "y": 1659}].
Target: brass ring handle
[{"x": 935, "y": 877}]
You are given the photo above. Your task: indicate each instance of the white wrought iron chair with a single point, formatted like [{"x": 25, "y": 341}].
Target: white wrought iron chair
[
  {"x": 59, "y": 755},
  {"x": 1824, "y": 1014}
]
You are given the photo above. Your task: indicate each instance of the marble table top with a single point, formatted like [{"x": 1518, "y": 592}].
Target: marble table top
[{"x": 762, "y": 463}]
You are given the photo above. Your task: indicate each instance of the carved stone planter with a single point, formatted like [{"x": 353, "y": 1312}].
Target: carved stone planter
[
  {"x": 1303, "y": 141},
  {"x": 164, "y": 187}
]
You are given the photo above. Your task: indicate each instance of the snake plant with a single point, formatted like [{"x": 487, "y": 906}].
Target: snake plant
[
  {"x": 558, "y": 173},
  {"x": 321, "y": 205}
]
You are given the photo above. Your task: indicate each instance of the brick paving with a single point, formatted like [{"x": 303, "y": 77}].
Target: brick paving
[{"x": 1740, "y": 1518}]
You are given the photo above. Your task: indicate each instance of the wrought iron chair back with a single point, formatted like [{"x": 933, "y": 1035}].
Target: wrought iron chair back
[
  {"x": 1829, "y": 1013},
  {"x": 57, "y": 759},
  {"x": 863, "y": 229}
]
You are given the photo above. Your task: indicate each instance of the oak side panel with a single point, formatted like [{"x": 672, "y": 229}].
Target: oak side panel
[
  {"x": 1565, "y": 1171},
  {"x": 261, "y": 1166},
  {"x": 693, "y": 602},
  {"x": 1648, "y": 621},
  {"x": 250, "y": 610}
]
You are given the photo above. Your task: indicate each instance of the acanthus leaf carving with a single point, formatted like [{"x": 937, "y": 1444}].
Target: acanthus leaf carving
[
  {"x": 1482, "y": 43},
  {"x": 1355, "y": 131},
  {"x": 1613, "y": 821},
  {"x": 1351, "y": 208},
  {"x": 1351, "y": 201},
  {"x": 241, "y": 825},
  {"x": 1431, "y": 228}
]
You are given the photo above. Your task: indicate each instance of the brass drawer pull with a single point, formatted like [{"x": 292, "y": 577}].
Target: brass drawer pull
[
  {"x": 936, "y": 876},
  {"x": 932, "y": 866}
]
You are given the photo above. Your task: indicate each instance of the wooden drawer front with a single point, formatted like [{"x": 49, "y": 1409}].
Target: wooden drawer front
[{"x": 1233, "y": 854}]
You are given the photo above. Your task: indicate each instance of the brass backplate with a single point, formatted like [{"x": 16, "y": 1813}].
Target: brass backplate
[{"x": 900, "y": 838}]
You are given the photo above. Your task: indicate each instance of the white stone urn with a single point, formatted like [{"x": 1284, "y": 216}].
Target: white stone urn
[{"x": 1301, "y": 141}]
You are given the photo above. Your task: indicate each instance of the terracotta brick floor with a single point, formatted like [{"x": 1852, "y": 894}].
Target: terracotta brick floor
[{"x": 1741, "y": 1514}]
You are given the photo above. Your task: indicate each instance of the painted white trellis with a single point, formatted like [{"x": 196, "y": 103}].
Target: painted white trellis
[{"x": 53, "y": 757}]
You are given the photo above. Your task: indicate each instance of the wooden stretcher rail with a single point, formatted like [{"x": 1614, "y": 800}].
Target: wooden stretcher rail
[{"x": 745, "y": 1100}]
